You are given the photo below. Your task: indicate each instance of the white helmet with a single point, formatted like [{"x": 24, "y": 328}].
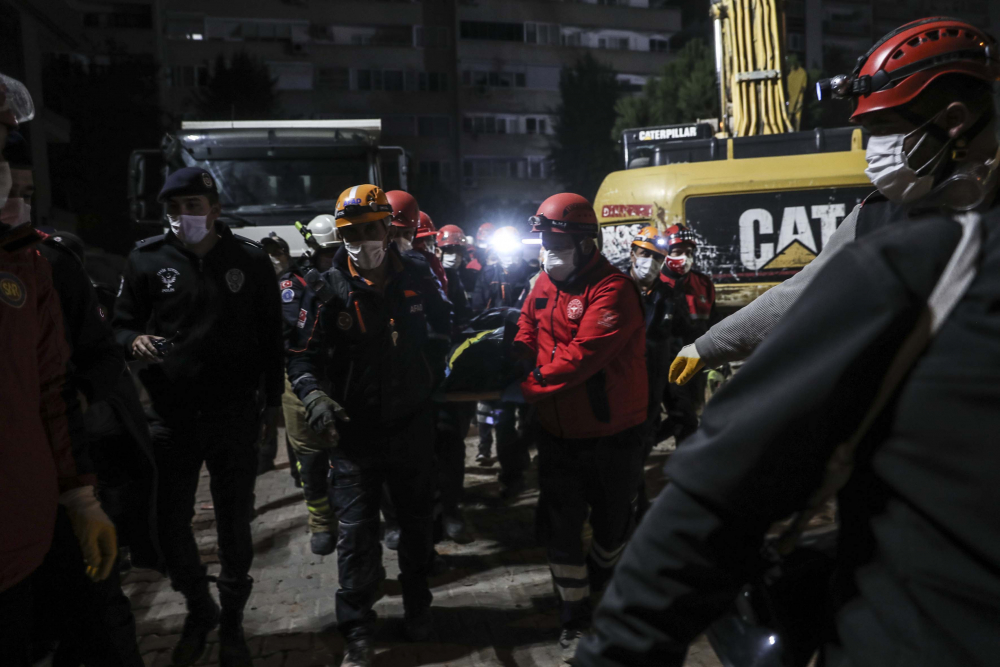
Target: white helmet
[{"x": 324, "y": 229}]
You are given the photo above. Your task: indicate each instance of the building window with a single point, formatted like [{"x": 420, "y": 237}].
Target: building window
[
  {"x": 435, "y": 170},
  {"x": 541, "y": 33},
  {"x": 658, "y": 45},
  {"x": 398, "y": 126},
  {"x": 530, "y": 125},
  {"x": 185, "y": 27},
  {"x": 392, "y": 80},
  {"x": 433, "y": 82},
  {"x": 496, "y": 79},
  {"x": 796, "y": 42},
  {"x": 333, "y": 78},
  {"x": 253, "y": 30},
  {"x": 492, "y": 30},
  {"x": 136, "y": 17},
  {"x": 572, "y": 39},
  {"x": 430, "y": 37},
  {"x": 187, "y": 76},
  {"x": 292, "y": 76}
]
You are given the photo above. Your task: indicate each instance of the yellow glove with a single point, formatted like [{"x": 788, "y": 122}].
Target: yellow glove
[
  {"x": 93, "y": 529},
  {"x": 686, "y": 365}
]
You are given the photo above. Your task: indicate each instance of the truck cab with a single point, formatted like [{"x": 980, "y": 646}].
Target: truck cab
[
  {"x": 761, "y": 207},
  {"x": 270, "y": 174}
]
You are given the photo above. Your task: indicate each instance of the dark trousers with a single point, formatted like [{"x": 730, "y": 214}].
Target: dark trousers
[
  {"x": 452, "y": 427},
  {"x": 683, "y": 403},
  {"x": 226, "y": 445},
  {"x": 398, "y": 456},
  {"x": 512, "y": 446},
  {"x": 92, "y": 621},
  {"x": 598, "y": 476}
]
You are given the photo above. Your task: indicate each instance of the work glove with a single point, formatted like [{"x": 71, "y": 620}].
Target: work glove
[
  {"x": 93, "y": 529},
  {"x": 686, "y": 365},
  {"x": 321, "y": 413}
]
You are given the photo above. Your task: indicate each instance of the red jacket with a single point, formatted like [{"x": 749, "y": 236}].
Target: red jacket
[
  {"x": 699, "y": 290},
  {"x": 36, "y": 458},
  {"x": 590, "y": 346}
]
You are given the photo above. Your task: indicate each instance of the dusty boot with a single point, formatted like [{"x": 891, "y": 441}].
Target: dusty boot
[
  {"x": 454, "y": 527},
  {"x": 203, "y": 616},
  {"x": 233, "y": 649},
  {"x": 357, "y": 653},
  {"x": 392, "y": 536},
  {"x": 568, "y": 641},
  {"x": 322, "y": 544}
]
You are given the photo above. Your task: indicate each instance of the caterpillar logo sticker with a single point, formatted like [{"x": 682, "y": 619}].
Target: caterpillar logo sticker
[{"x": 12, "y": 291}]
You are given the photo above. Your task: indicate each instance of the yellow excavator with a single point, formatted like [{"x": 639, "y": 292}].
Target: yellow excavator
[{"x": 761, "y": 197}]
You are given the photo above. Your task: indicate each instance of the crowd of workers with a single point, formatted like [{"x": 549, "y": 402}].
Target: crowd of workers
[{"x": 892, "y": 350}]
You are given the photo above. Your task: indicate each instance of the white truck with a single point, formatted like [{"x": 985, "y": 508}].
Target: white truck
[{"x": 270, "y": 174}]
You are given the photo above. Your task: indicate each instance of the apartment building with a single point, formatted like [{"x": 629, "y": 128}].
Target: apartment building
[
  {"x": 831, "y": 34},
  {"x": 467, "y": 88}
]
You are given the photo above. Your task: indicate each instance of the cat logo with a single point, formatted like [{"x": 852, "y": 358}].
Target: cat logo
[{"x": 12, "y": 290}]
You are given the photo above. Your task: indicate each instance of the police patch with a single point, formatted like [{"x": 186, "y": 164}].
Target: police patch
[
  {"x": 207, "y": 180},
  {"x": 344, "y": 321},
  {"x": 303, "y": 315},
  {"x": 285, "y": 284},
  {"x": 574, "y": 310},
  {"x": 12, "y": 291},
  {"x": 287, "y": 295},
  {"x": 234, "y": 278}
]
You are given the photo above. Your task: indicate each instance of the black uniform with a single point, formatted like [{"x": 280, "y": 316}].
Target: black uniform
[
  {"x": 497, "y": 287},
  {"x": 919, "y": 544},
  {"x": 222, "y": 314},
  {"x": 93, "y": 621},
  {"x": 668, "y": 325},
  {"x": 379, "y": 355}
]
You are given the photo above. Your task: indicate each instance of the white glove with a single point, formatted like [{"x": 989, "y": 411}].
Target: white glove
[
  {"x": 93, "y": 529},
  {"x": 686, "y": 365}
]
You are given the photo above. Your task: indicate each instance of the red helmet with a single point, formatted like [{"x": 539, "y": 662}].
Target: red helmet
[
  {"x": 426, "y": 227},
  {"x": 405, "y": 210},
  {"x": 450, "y": 235},
  {"x": 566, "y": 213},
  {"x": 679, "y": 234},
  {"x": 901, "y": 64},
  {"x": 484, "y": 234}
]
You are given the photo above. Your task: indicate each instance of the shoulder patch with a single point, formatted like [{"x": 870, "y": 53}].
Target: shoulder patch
[{"x": 150, "y": 242}]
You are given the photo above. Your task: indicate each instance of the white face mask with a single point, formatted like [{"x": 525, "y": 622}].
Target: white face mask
[
  {"x": 449, "y": 260},
  {"x": 890, "y": 172},
  {"x": 366, "y": 255},
  {"x": 646, "y": 269},
  {"x": 402, "y": 244},
  {"x": 190, "y": 229},
  {"x": 559, "y": 264},
  {"x": 6, "y": 182},
  {"x": 15, "y": 211}
]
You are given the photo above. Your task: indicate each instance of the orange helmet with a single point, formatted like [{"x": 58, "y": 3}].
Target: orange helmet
[
  {"x": 902, "y": 64},
  {"x": 651, "y": 239},
  {"x": 426, "y": 227},
  {"x": 405, "y": 210},
  {"x": 360, "y": 204},
  {"x": 484, "y": 234},
  {"x": 450, "y": 235},
  {"x": 566, "y": 213}
]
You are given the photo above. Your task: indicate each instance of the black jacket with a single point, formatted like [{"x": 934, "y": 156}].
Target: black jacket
[
  {"x": 668, "y": 326},
  {"x": 377, "y": 354},
  {"x": 223, "y": 313},
  {"x": 458, "y": 294},
  {"x": 499, "y": 288},
  {"x": 919, "y": 544}
]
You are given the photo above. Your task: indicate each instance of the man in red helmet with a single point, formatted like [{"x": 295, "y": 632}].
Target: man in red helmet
[
  {"x": 424, "y": 242},
  {"x": 892, "y": 351},
  {"x": 582, "y": 329},
  {"x": 925, "y": 103},
  {"x": 684, "y": 402},
  {"x": 405, "y": 219}
]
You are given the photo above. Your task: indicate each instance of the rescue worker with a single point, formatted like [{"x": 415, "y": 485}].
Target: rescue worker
[
  {"x": 371, "y": 341},
  {"x": 278, "y": 252},
  {"x": 481, "y": 255},
  {"x": 453, "y": 418},
  {"x": 501, "y": 285},
  {"x": 425, "y": 242},
  {"x": 200, "y": 305},
  {"x": 92, "y": 622},
  {"x": 685, "y": 402},
  {"x": 50, "y": 518},
  {"x": 311, "y": 449},
  {"x": 852, "y": 408},
  {"x": 582, "y": 330},
  {"x": 667, "y": 320},
  {"x": 281, "y": 259},
  {"x": 405, "y": 219},
  {"x": 735, "y": 337}
]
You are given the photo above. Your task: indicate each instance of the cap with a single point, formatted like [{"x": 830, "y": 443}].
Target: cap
[
  {"x": 188, "y": 181},
  {"x": 273, "y": 242}
]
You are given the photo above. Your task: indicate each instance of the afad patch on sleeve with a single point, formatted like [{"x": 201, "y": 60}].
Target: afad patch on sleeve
[
  {"x": 608, "y": 318},
  {"x": 287, "y": 295},
  {"x": 303, "y": 316}
]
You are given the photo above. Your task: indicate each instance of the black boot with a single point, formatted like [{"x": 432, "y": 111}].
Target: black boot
[
  {"x": 233, "y": 649},
  {"x": 203, "y": 616}
]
